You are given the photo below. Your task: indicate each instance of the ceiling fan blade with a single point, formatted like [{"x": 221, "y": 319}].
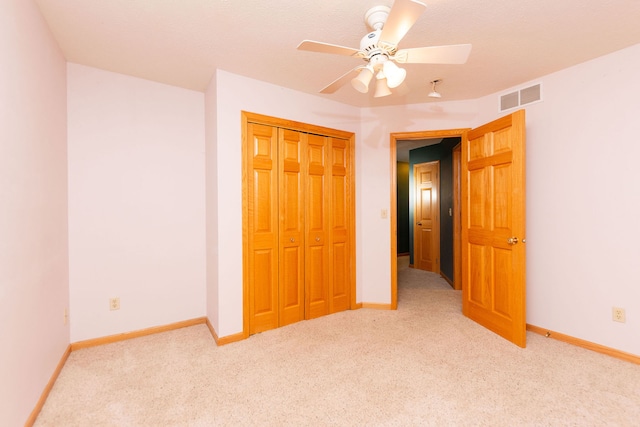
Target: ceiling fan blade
[
  {"x": 451, "y": 54},
  {"x": 313, "y": 46},
  {"x": 402, "y": 16},
  {"x": 342, "y": 80}
]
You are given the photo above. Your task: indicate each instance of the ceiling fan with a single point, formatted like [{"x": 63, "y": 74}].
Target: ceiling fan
[{"x": 379, "y": 49}]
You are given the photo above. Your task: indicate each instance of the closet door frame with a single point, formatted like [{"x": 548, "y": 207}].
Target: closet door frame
[{"x": 248, "y": 117}]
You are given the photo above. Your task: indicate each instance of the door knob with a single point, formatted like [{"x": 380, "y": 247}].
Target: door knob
[
  {"x": 317, "y": 239},
  {"x": 512, "y": 240},
  {"x": 293, "y": 240},
  {"x": 419, "y": 223}
]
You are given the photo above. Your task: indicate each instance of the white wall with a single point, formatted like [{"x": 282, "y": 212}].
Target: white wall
[
  {"x": 234, "y": 94},
  {"x": 583, "y": 255},
  {"x": 582, "y": 198},
  {"x": 33, "y": 209},
  {"x": 211, "y": 188},
  {"x": 374, "y": 172},
  {"x": 136, "y": 203}
]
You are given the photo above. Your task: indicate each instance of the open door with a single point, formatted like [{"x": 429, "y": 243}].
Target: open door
[{"x": 493, "y": 226}]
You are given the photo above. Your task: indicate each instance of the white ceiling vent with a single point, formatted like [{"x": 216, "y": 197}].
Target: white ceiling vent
[{"x": 521, "y": 97}]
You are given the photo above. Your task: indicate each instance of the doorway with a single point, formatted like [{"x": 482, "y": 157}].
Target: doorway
[{"x": 414, "y": 137}]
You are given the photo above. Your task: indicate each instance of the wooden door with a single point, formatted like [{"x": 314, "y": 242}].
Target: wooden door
[
  {"x": 340, "y": 251},
  {"x": 316, "y": 227},
  {"x": 291, "y": 149},
  {"x": 493, "y": 226},
  {"x": 426, "y": 224},
  {"x": 262, "y": 227}
]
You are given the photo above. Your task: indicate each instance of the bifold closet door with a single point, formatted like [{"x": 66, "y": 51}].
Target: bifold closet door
[
  {"x": 298, "y": 224},
  {"x": 340, "y": 225},
  {"x": 317, "y": 227},
  {"x": 275, "y": 226},
  {"x": 262, "y": 227},
  {"x": 291, "y": 167}
]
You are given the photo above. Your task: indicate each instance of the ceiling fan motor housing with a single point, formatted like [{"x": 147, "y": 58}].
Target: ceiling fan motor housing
[
  {"x": 370, "y": 41},
  {"x": 375, "y": 18},
  {"x": 374, "y": 54}
]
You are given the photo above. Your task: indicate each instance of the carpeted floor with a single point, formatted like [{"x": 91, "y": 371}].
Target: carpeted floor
[{"x": 424, "y": 364}]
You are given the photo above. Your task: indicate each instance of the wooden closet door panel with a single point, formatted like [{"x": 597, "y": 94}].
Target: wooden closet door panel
[
  {"x": 298, "y": 233},
  {"x": 262, "y": 227},
  {"x": 291, "y": 227},
  {"x": 316, "y": 225},
  {"x": 340, "y": 223}
]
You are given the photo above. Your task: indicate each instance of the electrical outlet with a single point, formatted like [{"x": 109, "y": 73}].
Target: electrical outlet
[
  {"x": 114, "y": 303},
  {"x": 619, "y": 315}
]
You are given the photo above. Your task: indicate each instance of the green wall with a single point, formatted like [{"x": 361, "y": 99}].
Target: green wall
[{"x": 402, "y": 207}]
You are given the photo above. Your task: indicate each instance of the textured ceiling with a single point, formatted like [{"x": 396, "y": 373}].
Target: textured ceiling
[{"x": 182, "y": 42}]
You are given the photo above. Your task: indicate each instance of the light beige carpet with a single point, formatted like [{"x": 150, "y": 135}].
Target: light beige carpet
[{"x": 424, "y": 364}]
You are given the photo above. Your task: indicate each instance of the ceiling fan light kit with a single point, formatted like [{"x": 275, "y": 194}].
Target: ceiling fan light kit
[
  {"x": 379, "y": 49},
  {"x": 395, "y": 75},
  {"x": 382, "y": 89},
  {"x": 361, "y": 82}
]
